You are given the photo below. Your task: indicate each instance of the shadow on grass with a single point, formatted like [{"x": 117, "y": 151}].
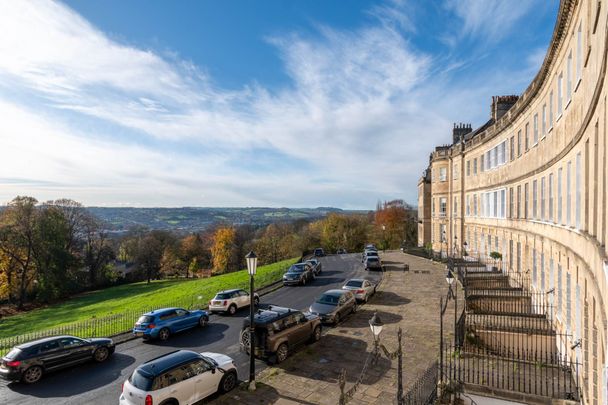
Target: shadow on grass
[{"x": 76, "y": 380}]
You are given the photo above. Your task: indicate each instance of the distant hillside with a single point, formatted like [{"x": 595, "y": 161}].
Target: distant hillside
[{"x": 194, "y": 219}]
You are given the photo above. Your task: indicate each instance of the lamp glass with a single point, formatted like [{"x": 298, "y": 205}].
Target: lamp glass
[
  {"x": 449, "y": 277},
  {"x": 376, "y": 325},
  {"x": 252, "y": 263}
]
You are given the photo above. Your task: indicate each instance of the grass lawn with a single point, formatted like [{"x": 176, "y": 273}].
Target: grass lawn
[{"x": 119, "y": 305}]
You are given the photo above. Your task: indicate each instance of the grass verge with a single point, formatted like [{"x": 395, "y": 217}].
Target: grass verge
[{"x": 114, "y": 310}]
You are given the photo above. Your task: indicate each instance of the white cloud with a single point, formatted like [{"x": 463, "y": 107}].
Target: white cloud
[
  {"x": 108, "y": 123},
  {"x": 487, "y": 19}
]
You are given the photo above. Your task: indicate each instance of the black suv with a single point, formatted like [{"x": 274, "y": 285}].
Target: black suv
[
  {"x": 319, "y": 252},
  {"x": 27, "y": 362},
  {"x": 278, "y": 331}
]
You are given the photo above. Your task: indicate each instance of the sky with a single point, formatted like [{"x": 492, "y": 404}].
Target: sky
[{"x": 277, "y": 103}]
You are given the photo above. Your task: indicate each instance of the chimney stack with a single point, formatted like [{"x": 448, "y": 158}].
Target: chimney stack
[
  {"x": 459, "y": 131},
  {"x": 502, "y": 104}
]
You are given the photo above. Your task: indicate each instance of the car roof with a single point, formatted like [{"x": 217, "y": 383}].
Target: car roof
[
  {"x": 32, "y": 343},
  {"x": 160, "y": 311},
  {"x": 335, "y": 292},
  {"x": 167, "y": 361},
  {"x": 356, "y": 279},
  {"x": 230, "y": 291},
  {"x": 270, "y": 313}
]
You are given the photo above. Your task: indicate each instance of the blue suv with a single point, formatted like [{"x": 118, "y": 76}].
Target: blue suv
[{"x": 161, "y": 323}]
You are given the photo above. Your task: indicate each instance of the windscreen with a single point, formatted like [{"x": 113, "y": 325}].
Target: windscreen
[
  {"x": 328, "y": 299},
  {"x": 145, "y": 319},
  {"x": 141, "y": 380},
  {"x": 354, "y": 283}
]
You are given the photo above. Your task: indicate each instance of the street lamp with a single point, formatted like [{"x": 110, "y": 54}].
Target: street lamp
[
  {"x": 449, "y": 278},
  {"x": 443, "y": 240},
  {"x": 252, "y": 264},
  {"x": 383, "y": 238},
  {"x": 455, "y": 250},
  {"x": 376, "y": 325},
  {"x": 464, "y": 249}
]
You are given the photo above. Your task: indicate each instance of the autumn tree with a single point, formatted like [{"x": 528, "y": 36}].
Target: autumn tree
[
  {"x": 18, "y": 242},
  {"x": 393, "y": 215},
  {"x": 223, "y": 250},
  {"x": 346, "y": 231},
  {"x": 192, "y": 252}
]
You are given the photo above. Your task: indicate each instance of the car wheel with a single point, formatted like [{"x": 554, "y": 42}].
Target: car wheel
[
  {"x": 282, "y": 353},
  {"x": 32, "y": 375},
  {"x": 202, "y": 321},
  {"x": 316, "y": 334},
  {"x": 232, "y": 309},
  {"x": 256, "y": 301},
  {"x": 101, "y": 354},
  {"x": 163, "y": 335},
  {"x": 228, "y": 382}
]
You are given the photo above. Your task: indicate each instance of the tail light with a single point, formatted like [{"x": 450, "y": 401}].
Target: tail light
[
  {"x": 122, "y": 387},
  {"x": 151, "y": 326},
  {"x": 14, "y": 363},
  {"x": 225, "y": 302},
  {"x": 359, "y": 291},
  {"x": 149, "y": 400}
]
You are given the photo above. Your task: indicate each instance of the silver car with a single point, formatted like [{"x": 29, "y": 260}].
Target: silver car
[
  {"x": 334, "y": 305},
  {"x": 362, "y": 288}
]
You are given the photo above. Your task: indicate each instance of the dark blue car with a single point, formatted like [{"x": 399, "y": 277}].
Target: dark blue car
[{"x": 161, "y": 323}]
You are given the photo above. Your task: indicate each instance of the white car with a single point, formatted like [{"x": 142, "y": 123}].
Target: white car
[
  {"x": 230, "y": 301},
  {"x": 180, "y": 377},
  {"x": 362, "y": 288}
]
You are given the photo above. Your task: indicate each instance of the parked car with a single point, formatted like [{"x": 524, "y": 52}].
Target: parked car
[
  {"x": 230, "y": 301},
  {"x": 299, "y": 273},
  {"x": 373, "y": 263},
  {"x": 334, "y": 305},
  {"x": 162, "y": 323},
  {"x": 319, "y": 252},
  {"x": 341, "y": 251},
  {"x": 316, "y": 265},
  {"x": 28, "y": 362},
  {"x": 179, "y": 377},
  {"x": 369, "y": 253},
  {"x": 278, "y": 331},
  {"x": 371, "y": 246},
  {"x": 362, "y": 288}
]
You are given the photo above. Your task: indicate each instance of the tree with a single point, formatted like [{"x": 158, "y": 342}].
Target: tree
[
  {"x": 150, "y": 251},
  {"x": 192, "y": 251},
  {"x": 18, "y": 240},
  {"x": 344, "y": 231},
  {"x": 97, "y": 251},
  {"x": 223, "y": 249},
  {"x": 393, "y": 216}
]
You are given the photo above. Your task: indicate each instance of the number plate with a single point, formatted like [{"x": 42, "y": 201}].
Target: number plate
[{"x": 139, "y": 333}]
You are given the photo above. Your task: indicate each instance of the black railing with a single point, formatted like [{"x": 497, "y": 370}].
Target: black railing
[
  {"x": 424, "y": 389},
  {"x": 509, "y": 373}
]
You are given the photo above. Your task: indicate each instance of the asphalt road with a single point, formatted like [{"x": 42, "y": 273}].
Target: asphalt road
[{"x": 101, "y": 383}]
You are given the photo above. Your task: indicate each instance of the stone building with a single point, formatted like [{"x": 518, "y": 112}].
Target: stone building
[{"x": 531, "y": 184}]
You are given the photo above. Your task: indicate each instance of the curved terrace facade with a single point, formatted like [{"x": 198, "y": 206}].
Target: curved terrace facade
[{"x": 531, "y": 184}]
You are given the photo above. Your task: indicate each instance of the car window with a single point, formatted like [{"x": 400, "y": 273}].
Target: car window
[
  {"x": 49, "y": 346},
  {"x": 244, "y": 293},
  {"x": 198, "y": 367},
  {"x": 279, "y": 325},
  {"x": 142, "y": 381},
  {"x": 290, "y": 321},
  {"x": 175, "y": 376},
  {"x": 13, "y": 354},
  {"x": 145, "y": 319},
  {"x": 168, "y": 315},
  {"x": 328, "y": 299},
  {"x": 70, "y": 342},
  {"x": 181, "y": 312},
  {"x": 299, "y": 317},
  {"x": 353, "y": 283},
  {"x": 342, "y": 299},
  {"x": 222, "y": 296}
]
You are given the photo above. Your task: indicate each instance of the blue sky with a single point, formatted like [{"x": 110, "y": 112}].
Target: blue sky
[{"x": 243, "y": 103}]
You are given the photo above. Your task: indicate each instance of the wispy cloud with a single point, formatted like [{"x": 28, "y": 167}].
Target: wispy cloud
[{"x": 108, "y": 123}]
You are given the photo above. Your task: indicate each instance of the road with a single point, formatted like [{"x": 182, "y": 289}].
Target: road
[{"x": 101, "y": 383}]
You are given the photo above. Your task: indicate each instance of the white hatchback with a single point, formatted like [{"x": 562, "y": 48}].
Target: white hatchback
[
  {"x": 180, "y": 377},
  {"x": 229, "y": 301}
]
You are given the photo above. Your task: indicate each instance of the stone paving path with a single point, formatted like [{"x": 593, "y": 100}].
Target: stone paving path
[{"x": 407, "y": 299}]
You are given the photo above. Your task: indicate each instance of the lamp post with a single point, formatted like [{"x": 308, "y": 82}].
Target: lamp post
[
  {"x": 443, "y": 240},
  {"x": 383, "y": 238},
  {"x": 252, "y": 264},
  {"x": 376, "y": 325},
  {"x": 449, "y": 278},
  {"x": 455, "y": 249},
  {"x": 464, "y": 249}
]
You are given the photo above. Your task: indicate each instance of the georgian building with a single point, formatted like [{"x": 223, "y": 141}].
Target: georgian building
[{"x": 531, "y": 184}]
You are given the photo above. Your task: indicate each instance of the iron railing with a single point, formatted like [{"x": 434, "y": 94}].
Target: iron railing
[{"x": 424, "y": 389}]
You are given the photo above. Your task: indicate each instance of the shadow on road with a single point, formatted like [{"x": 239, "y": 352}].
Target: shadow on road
[
  {"x": 77, "y": 380},
  {"x": 269, "y": 393},
  {"x": 213, "y": 332}
]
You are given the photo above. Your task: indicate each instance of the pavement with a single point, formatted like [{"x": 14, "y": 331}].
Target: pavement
[
  {"x": 100, "y": 383},
  {"x": 409, "y": 300}
]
